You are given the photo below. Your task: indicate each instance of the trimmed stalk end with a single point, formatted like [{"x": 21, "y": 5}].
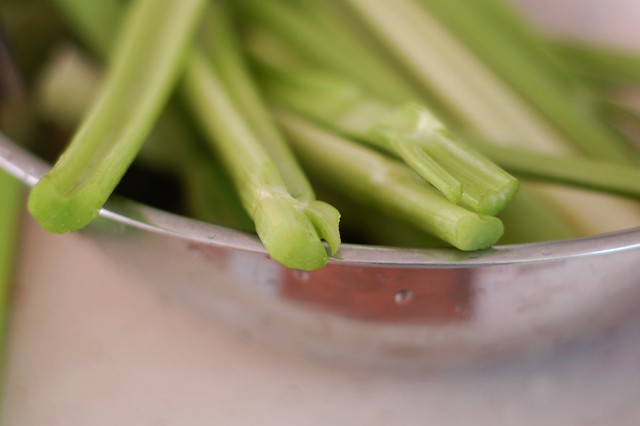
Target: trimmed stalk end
[
  {"x": 58, "y": 212},
  {"x": 477, "y": 232},
  {"x": 288, "y": 235}
]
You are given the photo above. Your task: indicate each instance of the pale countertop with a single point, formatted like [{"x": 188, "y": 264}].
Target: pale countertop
[{"x": 91, "y": 345}]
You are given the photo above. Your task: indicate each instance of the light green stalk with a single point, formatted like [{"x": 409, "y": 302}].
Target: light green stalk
[
  {"x": 388, "y": 185},
  {"x": 410, "y": 132},
  {"x": 485, "y": 30},
  {"x": 451, "y": 72},
  {"x": 286, "y": 50},
  {"x": 11, "y": 191},
  {"x": 591, "y": 174},
  {"x": 209, "y": 195},
  {"x": 221, "y": 45},
  {"x": 229, "y": 76},
  {"x": 170, "y": 143},
  {"x": 526, "y": 220},
  {"x": 504, "y": 18},
  {"x": 331, "y": 46},
  {"x": 360, "y": 226},
  {"x": 481, "y": 98},
  {"x": 147, "y": 63},
  {"x": 69, "y": 83},
  {"x": 290, "y": 229},
  {"x": 504, "y": 101},
  {"x": 600, "y": 64}
]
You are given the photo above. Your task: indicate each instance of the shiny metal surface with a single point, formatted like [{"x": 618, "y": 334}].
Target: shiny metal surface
[{"x": 372, "y": 305}]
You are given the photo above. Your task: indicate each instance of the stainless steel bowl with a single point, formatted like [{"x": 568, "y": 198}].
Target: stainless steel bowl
[{"x": 375, "y": 306}]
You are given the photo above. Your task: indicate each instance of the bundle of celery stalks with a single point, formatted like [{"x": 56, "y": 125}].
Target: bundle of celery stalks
[{"x": 428, "y": 123}]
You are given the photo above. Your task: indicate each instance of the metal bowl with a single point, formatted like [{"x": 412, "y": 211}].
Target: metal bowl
[{"x": 375, "y": 306}]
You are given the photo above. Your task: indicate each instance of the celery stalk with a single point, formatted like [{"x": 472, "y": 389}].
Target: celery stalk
[
  {"x": 220, "y": 43},
  {"x": 286, "y": 50},
  {"x": 542, "y": 224},
  {"x": 600, "y": 64},
  {"x": 410, "y": 131},
  {"x": 290, "y": 229},
  {"x": 229, "y": 77},
  {"x": 61, "y": 102},
  {"x": 145, "y": 67},
  {"x": 220, "y": 46},
  {"x": 388, "y": 185},
  {"x": 329, "y": 46},
  {"x": 362, "y": 227},
  {"x": 586, "y": 173},
  {"x": 489, "y": 106},
  {"x": 11, "y": 201},
  {"x": 209, "y": 195},
  {"x": 446, "y": 68},
  {"x": 523, "y": 67}
]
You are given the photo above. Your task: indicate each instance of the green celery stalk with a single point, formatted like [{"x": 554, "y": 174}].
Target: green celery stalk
[
  {"x": 362, "y": 227},
  {"x": 582, "y": 172},
  {"x": 489, "y": 106},
  {"x": 147, "y": 63},
  {"x": 526, "y": 220},
  {"x": 11, "y": 191},
  {"x": 332, "y": 46},
  {"x": 388, "y": 185},
  {"x": 229, "y": 76},
  {"x": 503, "y": 14},
  {"x": 286, "y": 50},
  {"x": 290, "y": 229},
  {"x": 169, "y": 143},
  {"x": 209, "y": 195},
  {"x": 600, "y": 64},
  {"x": 409, "y": 131},
  {"x": 452, "y": 73},
  {"x": 525, "y": 67},
  {"x": 221, "y": 45}
]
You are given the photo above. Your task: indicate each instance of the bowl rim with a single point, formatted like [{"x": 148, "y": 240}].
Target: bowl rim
[{"x": 28, "y": 168}]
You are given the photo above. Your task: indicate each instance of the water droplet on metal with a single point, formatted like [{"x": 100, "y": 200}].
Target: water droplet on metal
[{"x": 403, "y": 297}]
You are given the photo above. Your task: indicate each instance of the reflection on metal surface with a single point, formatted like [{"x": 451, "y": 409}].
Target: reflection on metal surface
[
  {"x": 409, "y": 316},
  {"x": 411, "y": 295}
]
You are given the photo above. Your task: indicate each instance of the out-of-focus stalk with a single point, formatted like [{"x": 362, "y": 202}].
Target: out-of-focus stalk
[{"x": 11, "y": 196}]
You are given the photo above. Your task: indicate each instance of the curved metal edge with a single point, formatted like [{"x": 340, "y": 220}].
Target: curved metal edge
[{"x": 28, "y": 168}]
